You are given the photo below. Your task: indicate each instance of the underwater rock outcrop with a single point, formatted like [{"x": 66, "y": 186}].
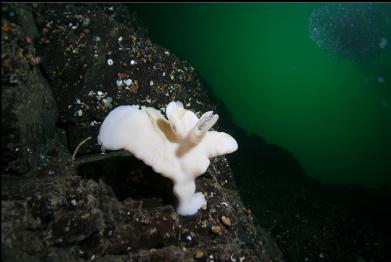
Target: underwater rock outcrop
[
  {"x": 95, "y": 63},
  {"x": 82, "y": 61},
  {"x": 358, "y": 31},
  {"x": 28, "y": 108}
]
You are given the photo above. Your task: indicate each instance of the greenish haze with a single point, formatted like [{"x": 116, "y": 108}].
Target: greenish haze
[{"x": 259, "y": 59}]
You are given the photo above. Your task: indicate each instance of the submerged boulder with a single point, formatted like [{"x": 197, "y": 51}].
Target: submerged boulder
[
  {"x": 29, "y": 111},
  {"x": 357, "y": 31},
  {"x": 103, "y": 206}
]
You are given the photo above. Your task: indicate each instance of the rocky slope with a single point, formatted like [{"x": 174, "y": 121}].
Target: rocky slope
[{"x": 64, "y": 67}]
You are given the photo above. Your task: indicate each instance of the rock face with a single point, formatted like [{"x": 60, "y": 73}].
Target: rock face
[
  {"x": 28, "y": 108},
  {"x": 94, "y": 63},
  {"x": 64, "y": 68}
]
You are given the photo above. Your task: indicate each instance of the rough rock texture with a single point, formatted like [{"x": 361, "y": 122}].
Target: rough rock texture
[
  {"x": 95, "y": 63},
  {"x": 47, "y": 217},
  {"x": 28, "y": 108},
  {"x": 101, "y": 207}
]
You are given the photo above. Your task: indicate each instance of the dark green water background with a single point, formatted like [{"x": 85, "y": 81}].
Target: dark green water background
[{"x": 332, "y": 114}]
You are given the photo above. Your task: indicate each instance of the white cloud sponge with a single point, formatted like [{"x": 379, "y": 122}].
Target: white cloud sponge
[{"x": 178, "y": 148}]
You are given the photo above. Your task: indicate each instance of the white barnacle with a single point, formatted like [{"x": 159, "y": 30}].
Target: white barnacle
[{"x": 128, "y": 82}]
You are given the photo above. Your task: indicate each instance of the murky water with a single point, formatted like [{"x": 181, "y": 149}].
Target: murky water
[{"x": 313, "y": 78}]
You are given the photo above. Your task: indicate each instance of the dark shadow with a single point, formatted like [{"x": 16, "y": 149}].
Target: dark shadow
[{"x": 131, "y": 178}]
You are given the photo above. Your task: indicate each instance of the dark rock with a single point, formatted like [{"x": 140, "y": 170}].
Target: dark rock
[
  {"x": 29, "y": 111},
  {"x": 76, "y": 57},
  {"x": 103, "y": 207},
  {"x": 353, "y": 31},
  {"x": 25, "y": 18}
]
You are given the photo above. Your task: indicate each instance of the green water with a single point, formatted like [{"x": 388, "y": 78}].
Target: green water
[{"x": 331, "y": 114}]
